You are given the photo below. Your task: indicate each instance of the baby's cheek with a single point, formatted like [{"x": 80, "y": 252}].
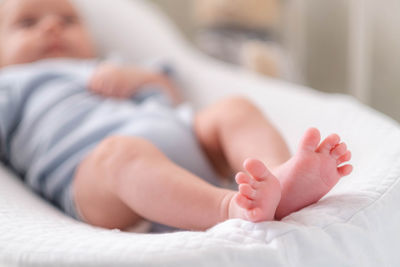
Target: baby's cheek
[{"x": 20, "y": 50}]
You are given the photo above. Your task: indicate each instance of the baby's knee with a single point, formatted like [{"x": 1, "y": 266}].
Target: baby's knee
[
  {"x": 115, "y": 150},
  {"x": 238, "y": 103},
  {"x": 237, "y": 108},
  {"x": 114, "y": 153}
]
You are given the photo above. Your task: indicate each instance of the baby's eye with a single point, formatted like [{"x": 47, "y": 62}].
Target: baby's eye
[
  {"x": 70, "y": 19},
  {"x": 27, "y": 22}
]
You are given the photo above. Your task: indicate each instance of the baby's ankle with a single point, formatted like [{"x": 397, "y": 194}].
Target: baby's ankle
[{"x": 225, "y": 205}]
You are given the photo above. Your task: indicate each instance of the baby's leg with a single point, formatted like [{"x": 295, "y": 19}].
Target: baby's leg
[
  {"x": 233, "y": 130},
  {"x": 125, "y": 179}
]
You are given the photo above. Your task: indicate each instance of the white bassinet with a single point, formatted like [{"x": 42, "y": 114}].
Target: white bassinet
[{"x": 356, "y": 224}]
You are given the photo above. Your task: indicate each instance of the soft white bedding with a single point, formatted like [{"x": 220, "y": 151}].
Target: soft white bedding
[{"x": 356, "y": 224}]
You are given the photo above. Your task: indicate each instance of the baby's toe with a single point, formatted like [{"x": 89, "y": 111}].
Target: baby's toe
[
  {"x": 247, "y": 191},
  {"x": 339, "y": 150},
  {"x": 256, "y": 169},
  {"x": 344, "y": 158},
  {"x": 310, "y": 140},
  {"x": 345, "y": 170},
  {"x": 243, "y": 201},
  {"x": 243, "y": 178},
  {"x": 330, "y": 142}
]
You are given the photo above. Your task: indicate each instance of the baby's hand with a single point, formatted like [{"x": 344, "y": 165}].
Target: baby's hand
[
  {"x": 117, "y": 81},
  {"x": 122, "y": 82}
]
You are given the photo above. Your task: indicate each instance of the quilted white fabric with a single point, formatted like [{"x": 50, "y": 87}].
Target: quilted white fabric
[{"x": 356, "y": 224}]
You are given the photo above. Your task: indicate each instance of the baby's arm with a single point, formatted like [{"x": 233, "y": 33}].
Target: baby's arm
[{"x": 124, "y": 81}]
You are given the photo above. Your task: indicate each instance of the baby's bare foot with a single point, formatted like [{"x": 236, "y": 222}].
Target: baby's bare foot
[
  {"x": 312, "y": 172},
  {"x": 259, "y": 193}
]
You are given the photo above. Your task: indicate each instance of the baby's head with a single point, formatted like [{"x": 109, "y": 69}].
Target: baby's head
[{"x": 31, "y": 30}]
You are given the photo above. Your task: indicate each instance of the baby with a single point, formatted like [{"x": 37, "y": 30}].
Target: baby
[{"x": 77, "y": 132}]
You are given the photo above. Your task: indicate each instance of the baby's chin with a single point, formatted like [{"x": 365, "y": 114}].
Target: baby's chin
[
  {"x": 42, "y": 55},
  {"x": 63, "y": 51},
  {"x": 55, "y": 53},
  {"x": 61, "y": 54},
  {"x": 46, "y": 57}
]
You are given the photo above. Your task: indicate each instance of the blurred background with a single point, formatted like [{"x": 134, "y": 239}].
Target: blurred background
[{"x": 343, "y": 46}]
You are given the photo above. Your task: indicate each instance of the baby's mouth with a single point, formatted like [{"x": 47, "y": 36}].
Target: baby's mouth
[{"x": 54, "y": 48}]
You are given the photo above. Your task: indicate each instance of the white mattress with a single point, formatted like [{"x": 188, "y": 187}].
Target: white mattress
[{"x": 356, "y": 224}]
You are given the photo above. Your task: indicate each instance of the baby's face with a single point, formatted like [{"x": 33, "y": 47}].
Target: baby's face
[{"x": 31, "y": 30}]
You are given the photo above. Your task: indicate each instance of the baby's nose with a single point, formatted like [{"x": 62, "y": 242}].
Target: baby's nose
[{"x": 51, "y": 24}]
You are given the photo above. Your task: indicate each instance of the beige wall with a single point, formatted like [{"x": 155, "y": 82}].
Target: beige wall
[
  {"x": 385, "y": 76},
  {"x": 327, "y": 40},
  {"x": 320, "y": 39},
  {"x": 325, "y": 66},
  {"x": 180, "y": 11}
]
